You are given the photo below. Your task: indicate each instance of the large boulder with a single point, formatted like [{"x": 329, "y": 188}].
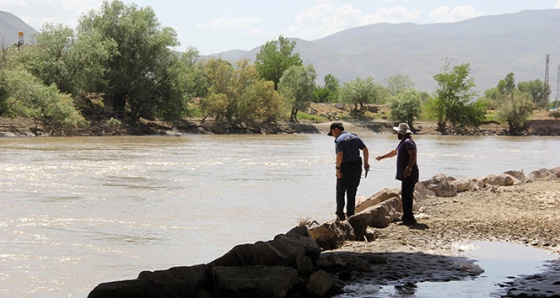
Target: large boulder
[
  {"x": 181, "y": 281},
  {"x": 544, "y": 174},
  {"x": 254, "y": 281},
  {"x": 441, "y": 186},
  {"x": 500, "y": 180},
  {"x": 519, "y": 175},
  {"x": 379, "y": 216},
  {"x": 379, "y": 197},
  {"x": 332, "y": 235},
  {"x": 281, "y": 251},
  {"x": 464, "y": 185},
  {"x": 137, "y": 288},
  {"x": 320, "y": 282}
]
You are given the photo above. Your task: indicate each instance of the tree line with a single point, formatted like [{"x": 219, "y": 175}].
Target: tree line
[{"x": 119, "y": 65}]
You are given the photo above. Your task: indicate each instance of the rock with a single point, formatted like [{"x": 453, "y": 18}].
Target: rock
[
  {"x": 304, "y": 265},
  {"x": 332, "y": 235},
  {"x": 319, "y": 283},
  {"x": 329, "y": 260},
  {"x": 441, "y": 186},
  {"x": 130, "y": 288},
  {"x": 519, "y": 175},
  {"x": 500, "y": 180},
  {"x": 464, "y": 185},
  {"x": 379, "y": 216},
  {"x": 362, "y": 266},
  {"x": 181, "y": 281},
  {"x": 379, "y": 197},
  {"x": 421, "y": 192},
  {"x": 255, "y": 281},
  {"x": 540, "y": 174},
  {"x": 281, "y": 251}
]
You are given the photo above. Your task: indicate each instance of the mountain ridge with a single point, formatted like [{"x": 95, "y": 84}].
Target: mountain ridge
[{"x": 493, "y": 46}]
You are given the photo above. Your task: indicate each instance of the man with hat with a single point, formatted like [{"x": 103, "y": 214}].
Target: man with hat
[
  {"x": 407, "y": 169},
  {"x": 348, "y": 168}
]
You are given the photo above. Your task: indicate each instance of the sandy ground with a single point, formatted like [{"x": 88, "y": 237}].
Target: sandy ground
[{"x": 527, "y": 214}]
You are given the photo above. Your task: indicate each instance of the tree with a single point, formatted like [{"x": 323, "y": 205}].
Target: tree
[
  {"x": 25, "y": 95},
  {"x": 452, "y": 102},
  {"x": 359, "y": 92},
  {"x": 74, "y": 63},
  {"x": 515, "y": 105},
  {"x": 398, "y": 84},
  {"x": 275, "y": 57},
  {"x": 143, "y": 76},
  {"x": 297, "y": 85},
  {"x": 538, "y": 91},
  {"x": 236, "y": 95},
  {"x": 329, "y": 92},
  {"x": 405, "y": 106}
]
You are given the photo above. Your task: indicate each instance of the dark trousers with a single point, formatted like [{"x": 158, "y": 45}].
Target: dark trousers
[
  {"x": 347, "y": 185},
  {"x": 407, "y": 195}
]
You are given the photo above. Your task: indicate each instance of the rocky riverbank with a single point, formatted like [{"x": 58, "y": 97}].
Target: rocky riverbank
[{"x": 321, "y": 260}]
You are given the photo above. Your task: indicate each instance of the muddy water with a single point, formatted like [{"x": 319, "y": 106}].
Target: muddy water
[{"x": 75, "y": 212}]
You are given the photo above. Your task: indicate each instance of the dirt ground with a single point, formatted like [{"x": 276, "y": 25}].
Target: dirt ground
[{"x": 527, "y": 214}]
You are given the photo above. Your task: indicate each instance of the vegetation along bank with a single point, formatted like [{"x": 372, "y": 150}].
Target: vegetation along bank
[{"x": 101, "y": 78}]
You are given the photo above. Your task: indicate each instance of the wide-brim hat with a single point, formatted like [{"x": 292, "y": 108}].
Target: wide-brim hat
[
  {"x": 335, "y": 125},
  {"x": 403, "y": 129}
]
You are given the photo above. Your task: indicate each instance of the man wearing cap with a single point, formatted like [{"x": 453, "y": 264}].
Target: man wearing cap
[
  {"x": 407, "y": 169},
  {"x": 348, "y": 167}
]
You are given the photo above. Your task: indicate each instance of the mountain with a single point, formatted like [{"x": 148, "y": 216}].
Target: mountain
[
  {"x": 493, "y": 45},
  {"x": 10, "y": 25}
]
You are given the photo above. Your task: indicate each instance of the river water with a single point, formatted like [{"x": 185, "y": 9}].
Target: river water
[{"x": 76, "y": 212}]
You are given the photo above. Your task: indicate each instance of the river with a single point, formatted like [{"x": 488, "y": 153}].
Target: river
[{"x": 79, "y": 211}]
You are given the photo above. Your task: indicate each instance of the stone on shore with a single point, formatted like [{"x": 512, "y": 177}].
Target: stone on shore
[
  {"x": 441, "y": 186},
  {"x": 255, "y": 281}
]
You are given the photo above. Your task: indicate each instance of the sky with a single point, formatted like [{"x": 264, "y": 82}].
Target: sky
[{"x": 214, "y": 26}]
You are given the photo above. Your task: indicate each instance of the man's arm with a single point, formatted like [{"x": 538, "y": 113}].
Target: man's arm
[
  {"x": 339, "y": 156},
  {"x": 391, "y": 153},
  {"x": 411, "y": 162},
  {"x": 366, "y": 158}
]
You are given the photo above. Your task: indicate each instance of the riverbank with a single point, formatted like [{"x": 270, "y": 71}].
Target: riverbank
[
  {"x": 321, "y": 115},
  {"x": 512, "y": 207}
]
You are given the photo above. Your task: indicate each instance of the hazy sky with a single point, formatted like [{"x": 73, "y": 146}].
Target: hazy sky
[{"x": 214, "y": 26}]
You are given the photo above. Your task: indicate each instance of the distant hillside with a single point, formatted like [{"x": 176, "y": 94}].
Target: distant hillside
[
  {"x": 493, "y": 45},
  {"x": 10, "y": 25}
]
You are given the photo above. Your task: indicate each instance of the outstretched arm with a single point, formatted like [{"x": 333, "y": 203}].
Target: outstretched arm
[{"x": 389, "y": 154}]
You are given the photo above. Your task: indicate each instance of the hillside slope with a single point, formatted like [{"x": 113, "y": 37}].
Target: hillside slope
[
  {"x": 493, "y": 45},
  {"x": 10, "y": 25}
]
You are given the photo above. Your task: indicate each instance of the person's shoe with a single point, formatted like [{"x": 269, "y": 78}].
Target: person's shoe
[{"x": 409, "y": 222}]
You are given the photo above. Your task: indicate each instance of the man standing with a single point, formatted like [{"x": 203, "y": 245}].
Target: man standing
[
  {"x": 348, "y": 167},
  {"x": 407, "y": 169}
]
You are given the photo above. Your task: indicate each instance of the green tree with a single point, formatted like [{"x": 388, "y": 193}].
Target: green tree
[
  {"x": 275, "y": 57},
  {"x": 297, "y": 85},
  {"x": 405, "y": 106},
  {"x": 452, "y": 101},
  {"x": 25, "y": 95},
  {"x": 236, "y": 95},
  {"x": 329, "y": 92},
  {"x": 538, "y": 91},
  {"x": 359, "y": 92},
  {"x": 74, "y": 63},
  {"x": 515, "y": 106},
  {"x": 398, "y": 84},
  {"x": 143, "y": 76}
]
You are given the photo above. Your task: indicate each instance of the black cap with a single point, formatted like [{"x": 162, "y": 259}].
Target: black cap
[{"x": 335, "y": 125}]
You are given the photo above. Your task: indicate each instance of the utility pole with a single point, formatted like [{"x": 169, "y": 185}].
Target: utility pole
[
  {"x": 546, "y": 91},
  {"x": 557, "y": 99}
]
